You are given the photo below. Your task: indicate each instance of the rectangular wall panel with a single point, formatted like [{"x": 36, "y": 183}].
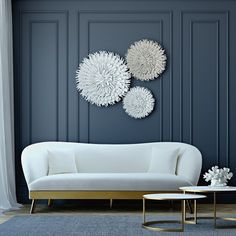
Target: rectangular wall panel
[
  {"x": 44, "y": 77},
  {"x": 43, "y": 80},
  {"x": 99, "y": 32},
  {"x": 204, "y": 70},
  {"x": 204, "y": 83}
]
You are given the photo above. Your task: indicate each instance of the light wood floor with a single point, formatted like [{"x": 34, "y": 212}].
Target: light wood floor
[{"x": 123, "y": 209}]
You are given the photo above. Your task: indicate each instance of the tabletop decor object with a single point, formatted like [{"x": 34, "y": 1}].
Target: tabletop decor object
[
  {"x": 138, "y": 102},
  {"x": 103, "y": 78},
  {"x": 146, "y": 60},
  {"x": 218, "y": 177}
]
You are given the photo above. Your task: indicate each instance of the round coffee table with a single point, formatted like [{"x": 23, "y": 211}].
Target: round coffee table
[
  {"x": 170, "y": 196},
  {"x": 209, "y": 189}
]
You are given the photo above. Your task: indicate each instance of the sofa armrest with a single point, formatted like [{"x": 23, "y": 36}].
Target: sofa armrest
[
  {"x": 189, "y": 164},
  {"x": 34, "y": 162}
]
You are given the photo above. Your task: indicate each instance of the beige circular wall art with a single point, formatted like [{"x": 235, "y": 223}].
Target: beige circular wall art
[
  {"x": 138, "y": 102},
  {"x": 146, "y": 60},
  {"x": 103, "y": 78}
]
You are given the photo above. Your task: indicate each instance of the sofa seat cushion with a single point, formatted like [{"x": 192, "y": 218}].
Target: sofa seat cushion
[{"x": 109, "y": 182}]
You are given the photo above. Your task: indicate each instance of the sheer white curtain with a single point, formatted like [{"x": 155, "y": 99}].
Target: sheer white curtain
[{"x": 7, "y": 169}]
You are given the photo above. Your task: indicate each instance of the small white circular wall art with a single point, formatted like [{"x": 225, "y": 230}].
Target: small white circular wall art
[
  {"x": 103, "y": 78},
  {"x": 146, "y": 60},
  {"x": 138, "y": 102}
]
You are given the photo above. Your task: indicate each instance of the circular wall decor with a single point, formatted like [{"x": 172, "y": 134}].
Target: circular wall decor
[
  {"x": 138, "y": 102},
  {"x": 103, "y": 78},
  {"x": 146, "y": 59}
]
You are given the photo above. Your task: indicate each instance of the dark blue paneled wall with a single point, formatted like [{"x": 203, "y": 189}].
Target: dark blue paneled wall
[{"x": 195, "y": 96}]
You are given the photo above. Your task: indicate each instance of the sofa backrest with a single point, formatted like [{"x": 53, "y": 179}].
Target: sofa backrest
[
  {"x": 94, "y": 158},
  {"x": 113, "y": 158}
]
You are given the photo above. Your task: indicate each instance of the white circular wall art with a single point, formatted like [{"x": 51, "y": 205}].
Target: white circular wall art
[
  {"x": 138, "y": 102},
  {"x": 146, "y": 59},
  {"x": 103, "y": 78}
]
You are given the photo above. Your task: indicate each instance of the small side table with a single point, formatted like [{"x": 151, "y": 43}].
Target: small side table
[
  {"x": 208, "y": 189},
  {"x": 170, "y": 196}
]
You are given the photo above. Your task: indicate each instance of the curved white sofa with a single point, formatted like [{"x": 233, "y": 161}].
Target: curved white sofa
[{"x": 107, "y": 171}]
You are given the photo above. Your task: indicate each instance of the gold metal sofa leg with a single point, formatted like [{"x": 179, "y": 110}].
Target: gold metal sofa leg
[
  {"x": 32, "y": 206},
  {"x": 49, "y": 202}
]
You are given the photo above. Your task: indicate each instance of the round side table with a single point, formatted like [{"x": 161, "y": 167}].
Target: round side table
[
  {"x": 209, "y": 189},
  {"x": 171, "y": 196}
]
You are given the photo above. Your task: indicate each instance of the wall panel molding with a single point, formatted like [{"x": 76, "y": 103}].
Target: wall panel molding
[
  {"x": 36, "y": 19},
  {"x": 105, "y": 17},
  {"x": 216, "y": 22},
  {"x": 215, "y": 18},
  {"x": 31, "y": 23}
]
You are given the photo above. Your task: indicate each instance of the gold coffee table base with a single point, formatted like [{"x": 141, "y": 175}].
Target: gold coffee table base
[
  {"x": 193, "y": 220},
  {"x": 226, "y": 226},
  {"x": 182, "y": 197},
  {"x": 190, "y": 220},
  {"x": 148, "y": 225}
]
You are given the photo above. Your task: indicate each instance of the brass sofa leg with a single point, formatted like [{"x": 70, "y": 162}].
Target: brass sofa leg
[
  {"x": 49, "y": 202},
  {"x": 32, "y": 206},
  {"x": 111, "y": 203}
]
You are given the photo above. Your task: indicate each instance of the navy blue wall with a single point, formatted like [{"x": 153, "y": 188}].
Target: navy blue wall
[{"x": 195, "y": 96}]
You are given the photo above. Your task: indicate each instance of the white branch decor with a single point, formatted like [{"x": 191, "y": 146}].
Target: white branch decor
[
  {"x": 218, "y": 177},
  {"x": 138, "y": 102},
  {"x": 146, "y": 60},
  {"x": 103, "y": 78}
]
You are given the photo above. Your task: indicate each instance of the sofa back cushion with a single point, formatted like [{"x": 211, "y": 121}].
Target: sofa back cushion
[
  {"x": 163, "y": 161},
  {"x": 112, "y": 159},
  {"x": 61, "y": 161}
]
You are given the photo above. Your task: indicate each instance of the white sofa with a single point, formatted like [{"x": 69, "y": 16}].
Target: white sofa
[{"x": 107, "y": 171}]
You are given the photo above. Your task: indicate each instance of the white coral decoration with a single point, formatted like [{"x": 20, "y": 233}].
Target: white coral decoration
[
  {"x": 146, "y": 59},
  {"x": 138, "y": 102},
  {"x": 103, "y": 78},
  {"x": 218, "y": 177}
]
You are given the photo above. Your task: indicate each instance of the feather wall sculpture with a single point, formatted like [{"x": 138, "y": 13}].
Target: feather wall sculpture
[
  {"x": 103, "y": 78},
  {"x": 138, "y": 102},
  {"x": 146, "y": 60}
]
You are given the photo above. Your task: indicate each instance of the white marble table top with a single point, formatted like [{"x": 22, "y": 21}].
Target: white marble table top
[
  {"x": 202, "y": 189},
  {"x": 173, "y": 196}
]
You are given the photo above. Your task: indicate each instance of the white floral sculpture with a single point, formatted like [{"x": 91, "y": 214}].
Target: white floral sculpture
[
  {"x": 146, "y": 60},
  {"x": 138, "y": 102},
  {"x": 103, "y": 78},
  {"x": 218, "y": 177}
]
